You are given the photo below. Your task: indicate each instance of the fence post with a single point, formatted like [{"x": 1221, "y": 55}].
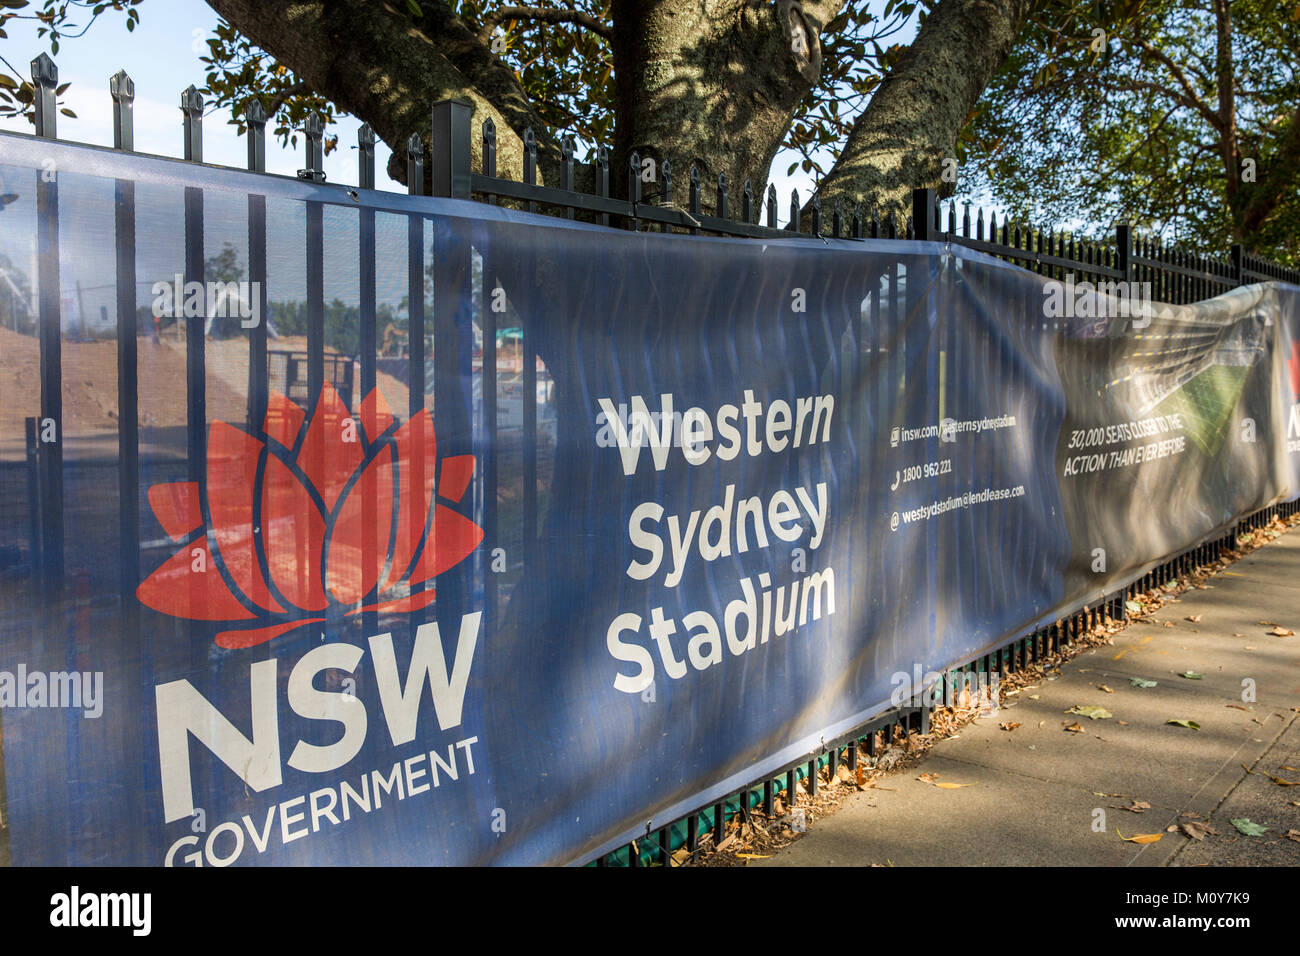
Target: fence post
[
  {"x": 601, "y": 170},
  {"x": 365, "y": 157},
  {"x": 568, "y": 170},
  {"x": 1124, "y": 250},
  {"x": 924, "y": 206},
  {"x": 192, "y": 109},
  {"x": 45, "y": 79},
  {"x": 255, "y": 120},
  {"x": 634, "y": 188},
  {"x": 1234, "y": 260},
  {"x": 451, "y": 149},
  {"x": 415, "y": 165},
  {"x": 313, "y": 134},
  {"x": 122, "y": 89}
]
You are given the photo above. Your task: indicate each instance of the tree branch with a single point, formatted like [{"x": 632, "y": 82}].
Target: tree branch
[
  {"x": 900, "y": 140},
  {"x": 1190, "y": 97},
  {"x": 377, "y": 62},
  {"x": 544, "y": 15}
]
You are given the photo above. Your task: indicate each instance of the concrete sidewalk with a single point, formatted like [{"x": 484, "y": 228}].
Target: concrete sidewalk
[{"x": 1035, "y": 791}]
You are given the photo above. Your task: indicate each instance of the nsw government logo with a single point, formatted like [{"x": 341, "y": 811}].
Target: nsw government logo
[{"x": 313, "y": 518}]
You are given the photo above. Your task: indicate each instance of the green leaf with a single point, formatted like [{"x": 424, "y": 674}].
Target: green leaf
[
  {"x": 414, "y": 8},
  {"x": 1189, "y": 724},
  {"x": 1249, "y": 829},
  {"x": 1192, "y": 675},
  {"x": 8, "y": 82},
  {"x": 1091, "y": 711},
  {"x": 1141, "y": 682}
]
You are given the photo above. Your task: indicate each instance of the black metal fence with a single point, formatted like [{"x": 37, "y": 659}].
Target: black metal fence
[{"x": 1176, "y": 276}]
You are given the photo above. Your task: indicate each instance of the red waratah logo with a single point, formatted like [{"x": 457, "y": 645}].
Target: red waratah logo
[
  {"x": 1293, "y": 366},
  {"x": 307, "y": 521}
]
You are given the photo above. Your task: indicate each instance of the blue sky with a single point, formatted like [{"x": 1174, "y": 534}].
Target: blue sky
[{"x": 162, "y": 56}]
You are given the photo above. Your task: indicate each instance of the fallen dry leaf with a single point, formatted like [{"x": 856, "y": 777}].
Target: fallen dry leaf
[
  {"x": 1105, "y": 688},
  {"x": 1197, "y": 830},
  {"x": 753, "y": 856},
  {"x": 928, "y": 777},
  {"x": 1281, "y": 632},
  {"x": 1074, "y": 728},
  {"x": 1238, "y": 707},
  {"x": 1009, "y": 724},
  {"x": 1194, "y": 618},
  {"x": 1143, "y": 838},
  {"x": 1137, "y": 806},
  {"x": 953, "y": 786},
  {"x": 1293, "y": 835}
]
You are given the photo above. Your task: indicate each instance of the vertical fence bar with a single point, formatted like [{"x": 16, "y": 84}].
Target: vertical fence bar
[
  {"x": 665, "y": 189},
  {"x": 568, "y": 178},
  {"x": 315, "y": 251},
  {"x": 195, "y": 384},
  {"x": 693, "y": 198},
  {"x": 415, "y": 342},
  {"x": 34, "y": 510},
  {"x": 634, "y": 188},
  {"x": 453, "y": 331},
  {"x": 45, "y": 78},
  {"x": 258, "y": 388},
  {"x": 258, "y": 384},
  {"x": 530, "y": 163},
  {"x": 601, "y": 171},
  {"x": 369, "y": 345},
  {"x": 122, "y": 90}
]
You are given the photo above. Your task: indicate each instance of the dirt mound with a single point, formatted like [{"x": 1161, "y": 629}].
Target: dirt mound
[{"x": 90, "y": 382}]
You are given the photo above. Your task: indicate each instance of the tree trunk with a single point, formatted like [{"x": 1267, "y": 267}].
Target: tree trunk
[
  {"x": 375, "y": 62},
  {"x": 900, "y": 141},
  {"x": 713, "y": 83}
]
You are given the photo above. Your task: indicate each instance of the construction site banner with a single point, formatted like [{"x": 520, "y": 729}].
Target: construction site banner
[{"x": 343, "y": 527}]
